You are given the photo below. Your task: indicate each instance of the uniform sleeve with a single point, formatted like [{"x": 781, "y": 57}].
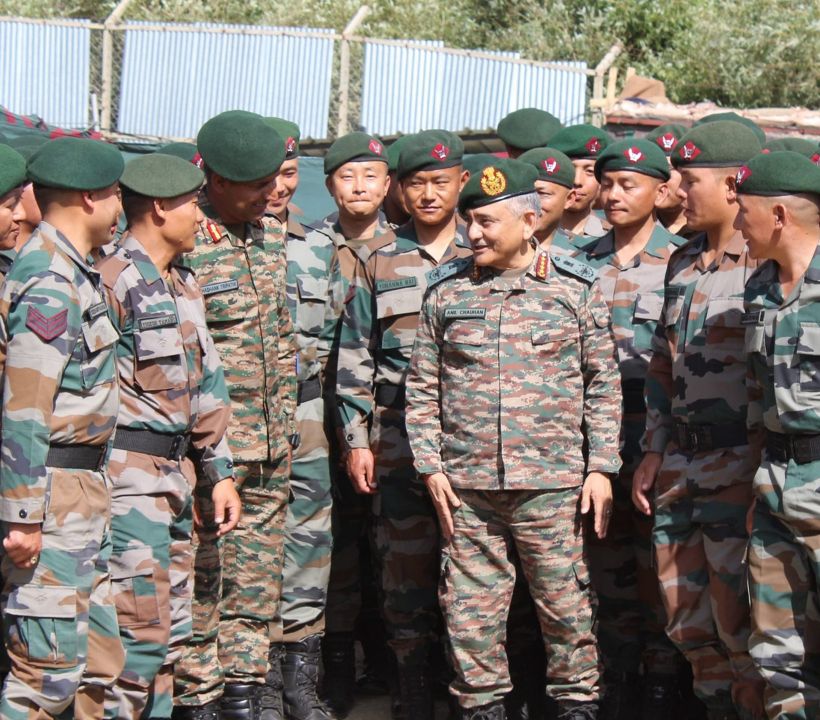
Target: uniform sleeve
[
  {"x": 423, "y": 394},
  {"x": 602, "y": 384},
  {"x": 39, "y": 335},
  {"x": 658, "y": 392},
  {"x": 287, "y": 351}
]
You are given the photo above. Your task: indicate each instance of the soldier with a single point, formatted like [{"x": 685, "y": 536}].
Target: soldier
[
  {"x": 670, "y": 211},
  {"x": 583, "y": 144},
  {"x": 240, "y": 266},
  {"x": 377, "y": 333},
  {"x": 393, "y": 205},
  {"x": 500, "y": 448},
  {"x": 779, "y": 198},
  {"x": 631, "y": 261},
  {"x": 174, "y": 410},
  {"x": 28, "y": 211},
  {"x": 12, "y": 182},
  {"x": 698, "y": 455},
  {"x": 527, "y": 128},
  {"x": 60, "y": 402}
]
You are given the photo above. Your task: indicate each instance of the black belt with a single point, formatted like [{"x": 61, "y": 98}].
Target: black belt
[
  {"x": 390, "y": 396},
  {"x": 702, "y": 438},
  {"x": 170, "y": 447},
  {"x": 634, "y": 402},
  {"x": 800, "y": 448},
  {"x": 81, "y": 457},
  {"x": 308, "y": 390}
]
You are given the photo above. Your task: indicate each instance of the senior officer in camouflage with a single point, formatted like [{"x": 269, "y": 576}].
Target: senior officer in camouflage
[
  {"x": 296, "y": 635},
  {"x": 378, "y": 329},
  {"x": 12, "y": 182},
  {"x": 170, "y": 437},
  {"x": 631, "y": 261},
  {"x": 698, "y": 454},
  {"x": 513, "y": 353},
  {"x": 779, "y": 198},
  {"x": 240, "y": 266},
  {"x": 60, "y": 401},
  {"x": 527, "y": 128}
]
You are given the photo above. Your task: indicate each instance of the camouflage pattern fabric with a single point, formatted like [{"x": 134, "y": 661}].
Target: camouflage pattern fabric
[
  {"x": 565, "y": 243},
  {"x": 59, "y": 387},
  {"x": 783, "y": 343},
  {"x": 697, "y": 376},
  {"x": 171, "y": 381}
]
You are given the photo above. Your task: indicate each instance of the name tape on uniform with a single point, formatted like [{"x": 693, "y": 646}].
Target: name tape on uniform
[
  {"x": 157, "y": 321},
  {"x": 220, "y": 287},
  {"x": 462, "y": 313},
  {"x": 95, "y": 311},
  {"x": 755, "y": 317},
  {"x": 384, "y": 285}
]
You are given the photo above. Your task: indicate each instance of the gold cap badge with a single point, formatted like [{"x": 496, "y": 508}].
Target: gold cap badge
[{"x": 493, "y": 181}]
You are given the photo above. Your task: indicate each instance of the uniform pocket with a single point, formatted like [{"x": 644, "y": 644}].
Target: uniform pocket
[
  {"x": 551, "y": 338},
  {"x": 135, "y": 589},
  {"x": 725, "y": 332},
  {"x": 99, "y": 337},
  {"x": 313, "y": 298},
  {"x": 158, "y": 359},
  {"x": 808, "y": 351},
  {"x": 397, "y": 311},
  {"x": 460, "y": 332}
]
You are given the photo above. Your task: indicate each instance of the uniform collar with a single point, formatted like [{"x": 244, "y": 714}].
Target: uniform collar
[
  {"x": 145, "y": 266},
  {"x": 87, "y": 264}
]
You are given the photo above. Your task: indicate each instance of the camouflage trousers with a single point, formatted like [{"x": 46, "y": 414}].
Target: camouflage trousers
[
  {"x": 784, "y": 568},
  {"x": 59, "y": 618},
  {"x": 700, "y": 540},
  {"x": 237, "y": 586},
  {"x": 308, "y": 534},
  {"x": 477, "y": 583}
]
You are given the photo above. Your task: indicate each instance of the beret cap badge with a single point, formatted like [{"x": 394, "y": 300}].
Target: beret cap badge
[
  {"x": 666, "y": 141},
  {"x": 493, "y": 181},
  {"x": 742, "y": 175},
  {"x": 593, "y": 145},
  {"x": 633, "y": 154},
  {"x": 689, "y": 151},
  {"x": 375, "y": 147},
  {"x": 440, "y": 152},
  {"x": 551, "y": 165}
]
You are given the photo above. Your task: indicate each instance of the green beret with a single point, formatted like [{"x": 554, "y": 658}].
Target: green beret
[
  {"x": 552, "y": 165},
  {"x": 640, "y": 156},
  {"x": 667, "y": 136},
  {"x": 581, "y": 142},
  {"x": 185, "y": 150},
  {"x": 716, "y": 144},
  {"x": 28, "y": 144},
  {"x": 505, "y": 178},
  {"x": 159, "y": 175},
  {"x": 289, "y": 132},
  {"x": 430, "y": 150},
  {"x": 528, "y": 128},
  {"x": 809, "y": 148},
  {"x": 240, "y": 146},
  {"x": 781, "y": 172},
  {"x": 394, "y": 151},
  {"x": 12, "y": 169},
  {"x": 730, "y": 116},
  {"x": 476, "y": 163},
  {"x": 354, "y": 147},
  {"x": 71, "y": 163}
]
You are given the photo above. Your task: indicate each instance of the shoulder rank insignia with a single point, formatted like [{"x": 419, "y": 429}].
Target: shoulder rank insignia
[
  {"x": 542, "y": 266},
  {"x": 577, "y": 269},
  {"x": 442, "y": 272},
  {"x": 213, "y": 231},
  {"x": 46, "y": 328}
]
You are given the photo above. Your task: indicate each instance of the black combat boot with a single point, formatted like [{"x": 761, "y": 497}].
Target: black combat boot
[
  {"x": 240, "y": 701},
  {"x": 621, "y": 696},
  {"x": 339, "y": 680},
  {"x": 208, "y": 711},
  {"x": 300, "y": 672},
  {"x": 270, "y": 694},
  {"x": 415, "y": 693},
  {"x": 493, "y": 711},
  {"x": 660, "y": 697},
  {"x": 571, "y": 710}
]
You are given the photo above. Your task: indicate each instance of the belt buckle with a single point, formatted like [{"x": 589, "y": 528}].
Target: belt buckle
[{"x": 179, "y": 447}]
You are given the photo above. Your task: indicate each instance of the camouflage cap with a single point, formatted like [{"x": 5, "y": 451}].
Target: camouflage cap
[
  {"x": 641, "y": 156},
  {"x": 505, "y": 178},
  {"x": 716, "y": 144},
  {"x": 240, "y": 146},
  {"x": 430, "y": 150},
  {"x": 552, "y": 165},
  {"x": 782, "y": 172},
  {"x": 354, "y": 147},
  {"x": 528, "y": 128},
  {"x": 185, "y": 150},
  {"x": 581, "y": 142},
  {"x": 289, "y": 132},
  {"x": 730, "y": 116},
  {"x": 71, "y": 163},
  {"x": 476, "y": 163},
  {"x": 809, "y": 148},
  {"x": 394, "y": 151},
  {"x": 161, "y": 176},
  {"x": 667, "y": 136},
  {"x": 12, "y": 169}
]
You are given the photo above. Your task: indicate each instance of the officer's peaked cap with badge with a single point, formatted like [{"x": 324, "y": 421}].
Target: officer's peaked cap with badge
[
  {"x": 551, "y": 165},
  {"x": 185, "y": 150},
  {"x": 430, "y": 150},
  {"x": 716, "y": 144},
  {"x": 240, "y": 146},
  {"x": 71, "y": 163},
  {"x": 394, "y": 150},
  {"x": 12, "y": 169},
  {"x": 667, "y": 136},
  {"x": 161, "y": 176},
  {"x": 633, "y": 155},
  {"x": 528, "y": 128},
  {"x": 354, "y": 147},
  {"x": 289, "y": 132},
  {"x": 504, "y": 179},
  {"x": 731, "y": 116},
  {"x": 581, "y": 142},
  {"x": 778, "y": 173}
]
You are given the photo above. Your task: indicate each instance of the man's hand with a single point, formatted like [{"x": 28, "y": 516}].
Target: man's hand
[
  {"x": 597, "y": 493},
  {"x": 23, "y": 543},
  {"x": 227, "y": 506},
  {"x": 644, "y": 479},
  {"x": 444, "y": 500},
  {"x": 360, "y": 466}
]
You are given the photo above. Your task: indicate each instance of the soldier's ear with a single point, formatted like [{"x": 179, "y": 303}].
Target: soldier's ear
[
  {"x": 465, "y": 176},
  {"x": 779, "y": 211},
  {"x": 158, "y": 207},
  {"x": 661, "y": 194}
]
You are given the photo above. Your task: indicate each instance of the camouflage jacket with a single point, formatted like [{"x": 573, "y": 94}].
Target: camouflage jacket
[
  {"x": 6, "y": 259},
  {"x": 379, "y": 324},
  {"x": 171, "y": 378},
  {"x": 565, "y": 243},
  {"x": 698, "y": 366},
  {"x": 504, "y": 375},
  {"x": 57, "y": 359},
  {"x": 242, "y": 273},
  {"x": 783, "y": 343}
]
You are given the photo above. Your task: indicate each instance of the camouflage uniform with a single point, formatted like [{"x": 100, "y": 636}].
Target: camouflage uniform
[
  {"x": 696, "y": 417},
  {"x": 376, "y": 339},
  {"x": 565, "y": 243},
  {"x": 59, "y": 398},
  {"x": 783, "y": 343},
  {"x": 172, "y": 384},
  {"x": 631, "y": 618},
  {"x": 481, "y": 412},
  {"x": 242, "y": 273}
]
